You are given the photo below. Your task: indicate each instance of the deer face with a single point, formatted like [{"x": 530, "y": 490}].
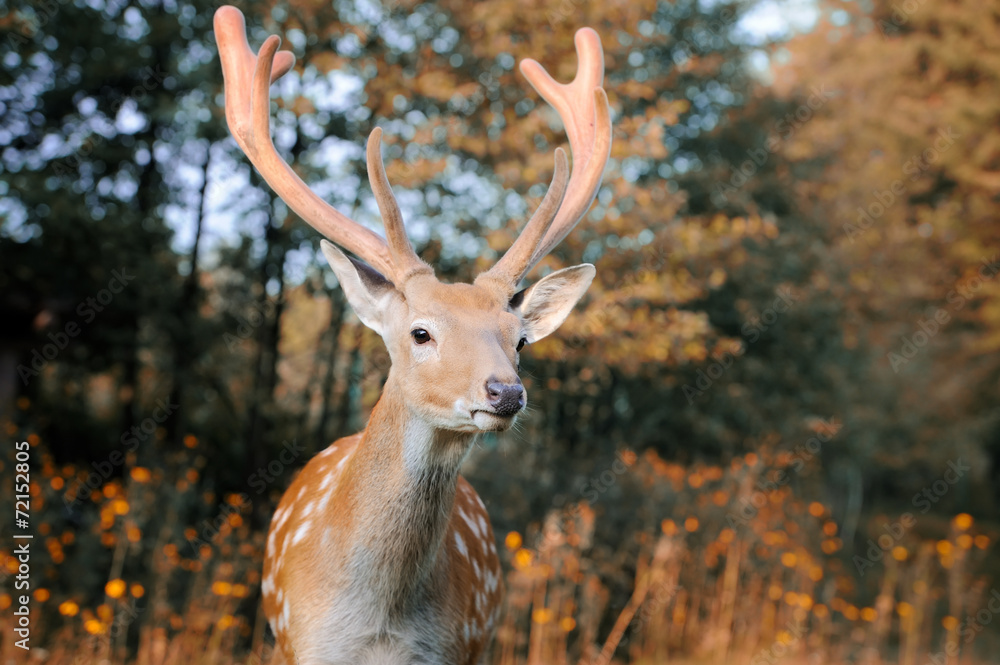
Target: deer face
[{"x": 455, "y": 347}]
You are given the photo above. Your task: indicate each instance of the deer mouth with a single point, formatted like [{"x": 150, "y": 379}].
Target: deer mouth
[{"x": 490, "y": 421}]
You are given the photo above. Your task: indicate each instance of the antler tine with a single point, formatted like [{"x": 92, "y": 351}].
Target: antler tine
[
  {"x": 247, "y": 89},
  {"x": 583, "y": 107},
  {"x": 404, "y": 258},
  {"x": 511, "y": 266}
]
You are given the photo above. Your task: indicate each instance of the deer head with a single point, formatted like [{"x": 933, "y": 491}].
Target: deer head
[{"x": 454, "y": 347}]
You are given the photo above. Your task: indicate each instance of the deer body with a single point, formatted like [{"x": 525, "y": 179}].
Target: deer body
[
  {"x": 401, "y": 569},
  {"x": 380, "y": 552}
]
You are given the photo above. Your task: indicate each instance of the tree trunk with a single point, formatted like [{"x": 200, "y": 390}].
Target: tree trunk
[
  {"x": 266, "y": 361},
  {"x": 350, "y": 399},
  {"x": 187, "y": 310},
  {"x": 337, "y": 310}
]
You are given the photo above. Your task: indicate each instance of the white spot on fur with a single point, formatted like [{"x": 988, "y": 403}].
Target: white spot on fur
[
  {"x": 471, "y": 522},
  {"x": 323, "y": 501},
  {"x": 282, "y": 516},
  {"x": 301, "y": 532},
  {"x": 270, "y": 543},
  {"x": 279, "y": 517},
  {"x": 461, "y": 545}
]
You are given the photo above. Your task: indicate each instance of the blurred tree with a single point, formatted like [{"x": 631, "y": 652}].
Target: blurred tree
[
  {"x": 901, "y": 166},
  {"x": 442, "y": 79},
  {"x": 735, "y": 281},
  {"x": 85, "y": 248}
]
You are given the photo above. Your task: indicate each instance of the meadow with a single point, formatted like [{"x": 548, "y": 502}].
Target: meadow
[
  {"x": 768, "y": 433},
  {"x": 736, "y": 563}
]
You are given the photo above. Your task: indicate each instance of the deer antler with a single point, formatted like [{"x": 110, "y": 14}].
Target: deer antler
[
  {"x": 583, "y": 107},
  {"x": 247, "y": 88}
]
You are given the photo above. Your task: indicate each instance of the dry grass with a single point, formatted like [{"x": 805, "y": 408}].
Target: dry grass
[{"x": 772, "y": 585}]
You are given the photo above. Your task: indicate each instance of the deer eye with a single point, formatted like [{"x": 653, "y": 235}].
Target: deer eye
[
  {"x": 420, "y": 336},
  {"x": 521, "y": 343}
]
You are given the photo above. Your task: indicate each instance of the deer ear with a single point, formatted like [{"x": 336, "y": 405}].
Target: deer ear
[
  {"x": 366, "y": 289},
  {"x": 546, "y": 304}
]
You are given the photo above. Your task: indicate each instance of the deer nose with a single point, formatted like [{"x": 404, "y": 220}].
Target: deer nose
[{"x": 505, "y": 398}]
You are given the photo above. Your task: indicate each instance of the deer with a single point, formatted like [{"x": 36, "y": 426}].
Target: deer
[{"x": 380, "y": 551}]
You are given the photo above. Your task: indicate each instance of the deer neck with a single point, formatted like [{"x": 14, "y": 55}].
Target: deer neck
[{"x": 399, "y": 488}]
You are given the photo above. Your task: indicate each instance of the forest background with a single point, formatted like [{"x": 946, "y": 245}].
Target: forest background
[{"x": 769, "y": 432}]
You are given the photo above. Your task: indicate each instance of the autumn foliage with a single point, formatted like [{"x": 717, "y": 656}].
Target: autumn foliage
[{"x": 768, "y": 434}]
